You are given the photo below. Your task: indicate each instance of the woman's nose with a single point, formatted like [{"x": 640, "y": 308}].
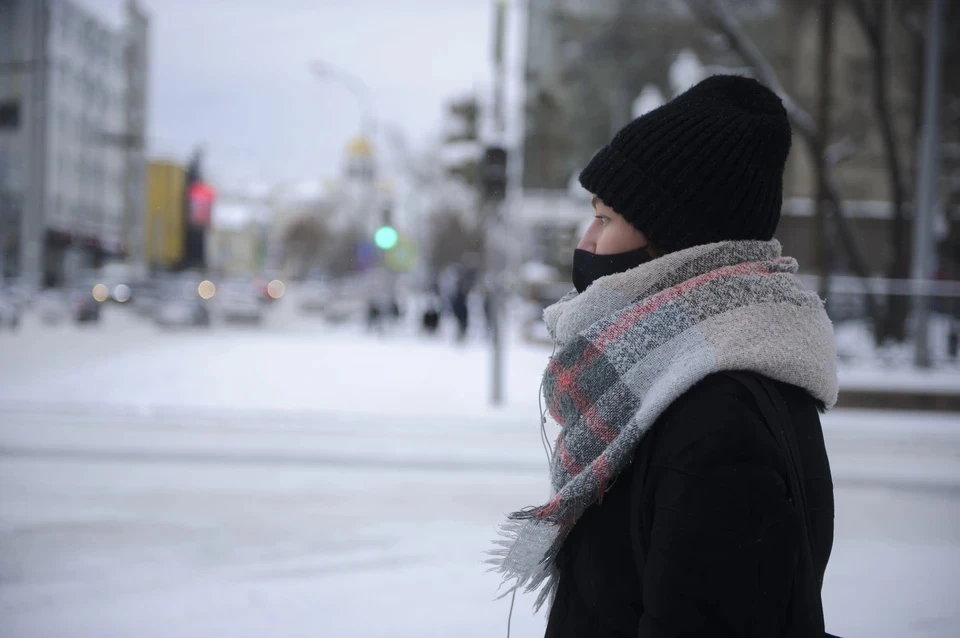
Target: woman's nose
[{"x": 588, "y": 242}]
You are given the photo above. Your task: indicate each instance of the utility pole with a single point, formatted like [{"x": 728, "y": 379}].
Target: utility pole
[
  {"x": 928, "y": 180},
  {"x": 35, "y": 114}
]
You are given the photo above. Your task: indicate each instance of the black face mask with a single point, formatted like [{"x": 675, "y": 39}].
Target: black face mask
[{"x": 588, "y": 267}]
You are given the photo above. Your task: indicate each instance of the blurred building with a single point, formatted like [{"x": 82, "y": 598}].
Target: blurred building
[
  {"x": 237, "y": 239},
  {"x": 592, "y": 66},
  {"x": 587, "y": 63},
  {"x": 164, "y": 223},
  {"x": 362, "y": 194},
  {"x": 73, "y": 90},
  {"x": 863, "y": 175},
  {"x": 136, "y": 66}
]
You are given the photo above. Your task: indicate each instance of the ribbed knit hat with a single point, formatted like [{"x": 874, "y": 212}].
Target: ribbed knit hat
[{"x": 705, "y": 167}]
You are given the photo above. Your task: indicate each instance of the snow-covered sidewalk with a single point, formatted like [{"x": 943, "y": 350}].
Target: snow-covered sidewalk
[{"x": 151, "y": 529}]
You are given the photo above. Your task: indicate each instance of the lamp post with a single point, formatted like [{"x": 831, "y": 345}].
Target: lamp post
[
  {"x": 357, "y": 87},
  {"x": 361, "y": 93}
]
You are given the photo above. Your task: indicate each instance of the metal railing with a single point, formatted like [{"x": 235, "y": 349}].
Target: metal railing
[{"x": 856, "y": 329}]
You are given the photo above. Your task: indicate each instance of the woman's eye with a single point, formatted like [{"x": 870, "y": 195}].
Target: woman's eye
[{"x": 603, "y": 220}]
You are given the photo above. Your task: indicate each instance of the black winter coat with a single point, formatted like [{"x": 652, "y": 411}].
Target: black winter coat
[{"x": 698, "y": 537}]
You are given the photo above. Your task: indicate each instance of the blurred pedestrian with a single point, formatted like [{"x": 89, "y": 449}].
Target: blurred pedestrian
[
  {"x": 692, "y": 492},
  {"x": 394, "y": 308},
  {"x": 461, "y": 312},
  {"x": 374, "y": 316},
  {"x": 454, "y": 285},
  {"x": 431, "y": 319},
  {"x": 488, "y": 308}
]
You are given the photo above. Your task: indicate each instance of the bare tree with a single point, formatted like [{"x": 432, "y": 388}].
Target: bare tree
[
  {"x": 873, "y": 18},
  {"x": 303, "y": 243},
  {"x": 821, "y": 235},
  {"x": 451, "y": 240},
  {"x": 340, "y": 252},
  {"x": 716, "y": 15}
]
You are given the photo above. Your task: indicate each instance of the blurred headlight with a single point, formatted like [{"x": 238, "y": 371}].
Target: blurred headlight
[
  {"x": 276, "y": 289},
  {"x": 206, "y": 289},
  {"x": 122, "y": 293},
  {"x": 101, "y": 293}
]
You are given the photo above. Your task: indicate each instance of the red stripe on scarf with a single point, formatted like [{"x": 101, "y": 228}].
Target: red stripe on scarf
[
  {"x": 567, "y": 378},
  {"x": 550, "y": 508},
  {"x": 588, "y": 411},
  {"x": 571, "y": 466},
  {"x": 635, "y": 314}
]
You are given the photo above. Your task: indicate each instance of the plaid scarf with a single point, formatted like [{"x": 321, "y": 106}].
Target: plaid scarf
[{"x": 631, "y": 344}]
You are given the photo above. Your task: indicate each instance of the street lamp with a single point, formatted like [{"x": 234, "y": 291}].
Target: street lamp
[{"x": 357, "y": 87}]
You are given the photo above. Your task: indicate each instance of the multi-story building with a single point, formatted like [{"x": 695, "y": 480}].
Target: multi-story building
[
  {"x": 588, "y": 62},
  {"x": 589, "y": 65},
  {"x": 74, "y": 159}
]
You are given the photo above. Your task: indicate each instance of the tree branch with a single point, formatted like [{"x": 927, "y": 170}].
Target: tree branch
[
  {"x": 840, "y": 151},
  {"x": 873, "y": 21},
  {"x": 716, "y": 15}
]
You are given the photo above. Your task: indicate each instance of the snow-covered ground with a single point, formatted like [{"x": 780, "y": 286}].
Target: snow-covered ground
[{"x": 299, "y": 481}]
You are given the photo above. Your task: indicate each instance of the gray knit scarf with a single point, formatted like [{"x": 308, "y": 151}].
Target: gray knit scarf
[{"x": 632, "y": 343}]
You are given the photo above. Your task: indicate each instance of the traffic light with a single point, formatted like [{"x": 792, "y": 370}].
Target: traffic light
[
  {"x": 464, "y": 120},
  {"x": 385, "y": 238},
  {"x": 493, "y": 174}
]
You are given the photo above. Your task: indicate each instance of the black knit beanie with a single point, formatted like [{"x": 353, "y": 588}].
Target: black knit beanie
[{"x": 705, "y": 167}]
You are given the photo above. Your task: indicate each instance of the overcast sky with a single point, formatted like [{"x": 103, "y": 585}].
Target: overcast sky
[{"x": 233, "y": 74}]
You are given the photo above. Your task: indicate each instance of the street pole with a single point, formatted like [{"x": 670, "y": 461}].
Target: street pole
[
  {"x": 368, "y": 127},
  {"x": 493, "y": 235},
  {"x": 357, "y": 88},
  {"x": 928, "y": 179},
  {"x": 32, "y": 214}
]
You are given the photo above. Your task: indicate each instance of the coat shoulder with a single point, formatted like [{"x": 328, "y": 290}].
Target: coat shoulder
[{"x": 716, "y": 421}]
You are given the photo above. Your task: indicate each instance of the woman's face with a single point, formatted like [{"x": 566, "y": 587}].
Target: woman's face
[{"x": 610, "y": 233}]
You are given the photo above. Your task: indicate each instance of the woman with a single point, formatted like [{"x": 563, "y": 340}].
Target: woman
[{"x": 680, "y": 507}]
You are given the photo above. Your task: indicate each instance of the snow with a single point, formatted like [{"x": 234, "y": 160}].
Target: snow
[
  {"x": 863, "y": 367},
  {"x": 650, "y": 98},
  {"x": 299, "y": 481},
  {"x": 538, "y": 272},
  {"x": 685, "y": 71}
]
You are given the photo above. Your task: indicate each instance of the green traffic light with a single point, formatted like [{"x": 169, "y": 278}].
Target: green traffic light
[{"x": 385, "y": 237}]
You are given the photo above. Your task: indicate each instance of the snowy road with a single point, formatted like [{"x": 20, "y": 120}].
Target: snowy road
[{"x": 279, "y": 500}]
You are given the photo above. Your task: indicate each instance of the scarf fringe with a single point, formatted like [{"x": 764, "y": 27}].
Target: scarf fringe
[{"x": 515, "y": 540}]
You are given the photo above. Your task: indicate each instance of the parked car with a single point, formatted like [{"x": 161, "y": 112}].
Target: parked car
[
  {"x": 314, "y": 296},
  {"x": 17, "y": 294},
  {"x": 268, "y": 288},
  {"x": 85, "y": 306},
  {"x": 121, "y": 279},
  {"x": 345, "y": 309},
  {"x": 171, "y": 313},
  {"x": 145, "y": 296},
  {"x": 52, "y": 306},
  {"x": 239, "y": 303},
  {"x": 184, "y": 304}
]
